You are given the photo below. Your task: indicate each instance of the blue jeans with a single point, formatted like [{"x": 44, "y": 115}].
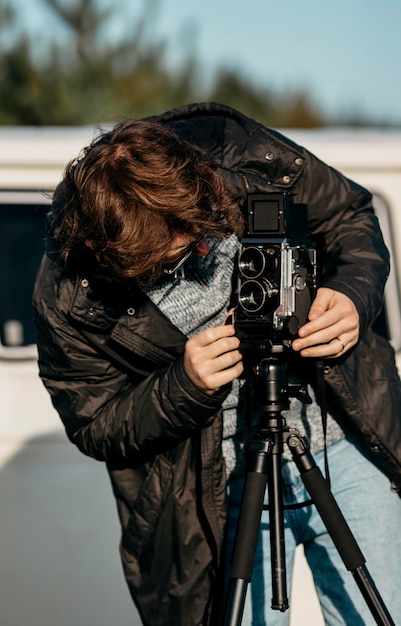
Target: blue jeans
[{"x": 373, "y": 513}]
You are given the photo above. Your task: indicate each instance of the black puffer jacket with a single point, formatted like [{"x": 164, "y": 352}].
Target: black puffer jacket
[{"x": 113, "y": 366}]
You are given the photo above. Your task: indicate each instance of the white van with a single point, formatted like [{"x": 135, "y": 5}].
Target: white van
[{"x": 57, "y": 506}]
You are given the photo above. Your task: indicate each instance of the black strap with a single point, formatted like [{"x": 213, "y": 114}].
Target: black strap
[{"x": 322, "y": 401}]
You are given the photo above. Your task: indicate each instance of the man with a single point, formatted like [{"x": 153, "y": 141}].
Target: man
[{"x": 131, "y": 303}]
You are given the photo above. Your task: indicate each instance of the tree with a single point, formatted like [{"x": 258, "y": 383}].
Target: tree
[
  {"x": 86, "y": 80},
  {"x": 83, "y": 77},
  {"x": 267, "y": 107}
]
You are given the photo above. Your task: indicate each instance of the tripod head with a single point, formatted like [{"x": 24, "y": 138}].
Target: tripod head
[{"x": 272, "y": 389}]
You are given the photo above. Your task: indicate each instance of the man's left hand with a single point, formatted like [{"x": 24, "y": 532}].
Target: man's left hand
[{"x": 333, "y": 326}]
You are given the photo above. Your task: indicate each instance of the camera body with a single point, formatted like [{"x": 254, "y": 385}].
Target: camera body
[{"x": 276, "y": 280}]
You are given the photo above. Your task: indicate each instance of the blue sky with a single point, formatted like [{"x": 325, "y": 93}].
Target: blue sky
[{"x": 345, "y": 53}]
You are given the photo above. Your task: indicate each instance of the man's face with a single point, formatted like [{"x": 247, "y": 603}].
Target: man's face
[
  {"x": 182, "y": 247},
  {"x": 181, "y": 244}
]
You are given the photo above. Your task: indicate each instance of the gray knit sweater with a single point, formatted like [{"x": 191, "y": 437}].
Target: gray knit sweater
[{"x": 200, "y": 301}]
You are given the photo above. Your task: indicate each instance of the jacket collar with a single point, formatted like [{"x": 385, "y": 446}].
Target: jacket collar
[{"x": 130, "y": 321}]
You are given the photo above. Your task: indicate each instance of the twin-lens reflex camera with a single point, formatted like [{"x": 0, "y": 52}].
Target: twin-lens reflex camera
[{"x": 277, "y": 278}]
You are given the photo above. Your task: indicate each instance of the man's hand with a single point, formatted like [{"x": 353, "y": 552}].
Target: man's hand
[
  {"x": 212, "y": 358},
  {"x": 333, "y": 326}
]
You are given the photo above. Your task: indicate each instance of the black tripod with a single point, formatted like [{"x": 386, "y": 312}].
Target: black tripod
[{"x": 272, "y": 395}]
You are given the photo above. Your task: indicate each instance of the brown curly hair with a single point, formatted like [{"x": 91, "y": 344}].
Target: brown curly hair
[{"x": 129, "y": 194}]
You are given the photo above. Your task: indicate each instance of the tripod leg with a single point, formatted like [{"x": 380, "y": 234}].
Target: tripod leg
[
  {"x": 246, "y": 537},
  {"x": 337, "y": 527},
  {"x": 276, "y": 525}
]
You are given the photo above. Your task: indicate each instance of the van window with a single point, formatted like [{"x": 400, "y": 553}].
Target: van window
[
  {"x": 22, "y": 219},
  {"x": 388, "y": 323}
]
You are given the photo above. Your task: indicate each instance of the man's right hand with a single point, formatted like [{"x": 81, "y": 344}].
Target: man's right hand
[{"x": 212, "y": 358}]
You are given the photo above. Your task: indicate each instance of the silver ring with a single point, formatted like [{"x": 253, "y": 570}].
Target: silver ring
[{"x": 342, "y": 344}]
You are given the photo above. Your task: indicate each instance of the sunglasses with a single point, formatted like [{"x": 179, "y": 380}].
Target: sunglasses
[{"x": 172, "y": 268}]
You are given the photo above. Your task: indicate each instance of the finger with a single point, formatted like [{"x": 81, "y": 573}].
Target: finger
[
  {"x": 212, "y": 382},
  {"x": 339, "y": 312},
  {"x": 222, "y": 346},
  {"x": 323, "y": 335},
  {"x": 229, "y": 316},
  {"x": 224, "y": 377},
  {"x": 321, "y": 303},
  {"x": 211, "y": 335},
  {"x": 226, "y": 360},
  {"x": 324, "y": 321},
  {"x": 332, "y": 349}
]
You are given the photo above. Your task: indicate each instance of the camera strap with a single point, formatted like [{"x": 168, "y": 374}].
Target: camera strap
[{"x": 321, "y": 398}]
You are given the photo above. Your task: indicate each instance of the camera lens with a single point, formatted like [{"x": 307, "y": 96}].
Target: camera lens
[
  {"x": 258, "y": 296},
  {"x": 254, "y": 261}
]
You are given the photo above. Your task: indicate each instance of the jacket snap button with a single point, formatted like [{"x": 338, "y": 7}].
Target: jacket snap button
[
  {"x": 131, "y": 311},
  {"x": 84, "y": 282},
  {"x": 269, "y": 156},
  {"x": 286, "y": 179}
]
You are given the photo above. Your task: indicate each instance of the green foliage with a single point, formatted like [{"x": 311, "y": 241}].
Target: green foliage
[{"x": 82, "y": 78}]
